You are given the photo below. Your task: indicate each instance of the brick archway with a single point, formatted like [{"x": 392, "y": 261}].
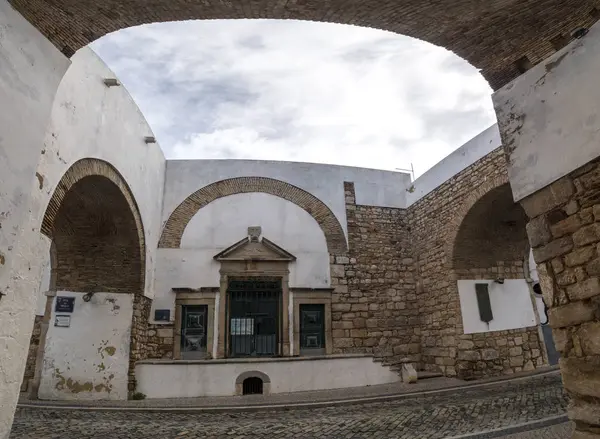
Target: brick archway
[
  {"x": 181, "y": 216},
  {"x": 93, "y": 209},
  {"x": 501, "y": 38}
]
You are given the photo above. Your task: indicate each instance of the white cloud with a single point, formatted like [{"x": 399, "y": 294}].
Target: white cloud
[{"x": 302, "y": 91}]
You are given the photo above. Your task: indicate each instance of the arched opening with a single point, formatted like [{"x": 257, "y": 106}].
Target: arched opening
[
  {"x": 499, "y": 330},
  {"x": 492, "y": 236},
  {"x": 252, "y": 386},
  {"x": 97, "y": 265},
  {"x": 96, "y": 240}
]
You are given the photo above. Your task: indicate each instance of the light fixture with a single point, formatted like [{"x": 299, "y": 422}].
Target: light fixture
[
  {"x": 579, "y": 33},
  {"x": 499, "y": 280},
  {"x": 87, "y": 297},
  {"x": 111, "y": 82},
  {"x": 150, "y": 139}
]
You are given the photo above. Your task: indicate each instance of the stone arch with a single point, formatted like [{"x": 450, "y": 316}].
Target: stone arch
[
  {"x": 181, "y": 216},
  {"x": 501, "y": 38},
  {"x": 487, "y": 217},
  {"x": 94, "y": 223},
  {"x": 239, "y": 381}
]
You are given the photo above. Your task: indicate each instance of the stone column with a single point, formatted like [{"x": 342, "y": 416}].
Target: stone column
[
  {"x": 549, "y": 120},
  {"x": 31, "y": 69}
]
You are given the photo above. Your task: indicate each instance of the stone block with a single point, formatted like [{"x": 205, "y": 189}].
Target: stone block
[
  {"x": 517, "y": 361},
  {"x": 548, "y": 198},
  {"x": 570, "y": 314},
  {"x": 360, "y": 307},
  {"x": 593, "y": 267},
  {"x": 585, "y": 289},
  {"x": 581, "y": 375},
  {"x": 409, "y": 374},
  {"x": 358, "y": 333},
  {"x": 538, "y": 231},
  {"x": 580, "y": 256},
  {"x": 343, "y": 342},
  {"x": 583, "y": 411},
  {"x": 340, "y": 307},
  {"x": 489, "y": 354},
  {"x": 587, "y": 235},
  {"x": 338, "y": 333},
  {"x": 589, "y": 337},
  {"x": 584, "y": 435},
  {"x": 342, "y": 260},
  {"x": 516, "y": 351},
  {"x": 555, "y": 248},
  {"x": 469, "y": 355},
  {"x": 466, "y": 344},
  {"x": 337, "y": 270},
  {"x": 529, "y": 365},
  {"x": 165, "y": 332},
  {"x": 566, "y": 227}
]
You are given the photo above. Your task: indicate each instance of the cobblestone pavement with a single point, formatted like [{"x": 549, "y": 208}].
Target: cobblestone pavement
[
  {"x": 561, "y": 431},
  {"x": 432, "y": 416}
]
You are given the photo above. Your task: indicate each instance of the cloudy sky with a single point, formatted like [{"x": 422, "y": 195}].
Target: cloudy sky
[{"x": 299, "y": 91}]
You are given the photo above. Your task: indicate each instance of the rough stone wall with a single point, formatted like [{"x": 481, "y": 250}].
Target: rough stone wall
[
  {"x": 494, "y": 37},
  {"x": 34, "y": 344},
  {"x": 160, "y": 341},
  {"x": 564, "y": 232},
  {"x": 374, "y": 306},
  {"x": 434, "y": 223},
  {"x": 139, "y": 347}
]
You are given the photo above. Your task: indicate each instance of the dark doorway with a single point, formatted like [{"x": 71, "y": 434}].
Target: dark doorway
[
  {"x": 252, "y": 386},
  {"x": 193, "y": 331},
  {"x": 312, "y": 329},
  {"x": 254, "y": 317}
]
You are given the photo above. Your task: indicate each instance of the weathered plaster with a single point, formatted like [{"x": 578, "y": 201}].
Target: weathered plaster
[
  {"x": 30, "y": 71},
  {"x": 89, "y": 359},
  {"x": 548, "y": 117}
]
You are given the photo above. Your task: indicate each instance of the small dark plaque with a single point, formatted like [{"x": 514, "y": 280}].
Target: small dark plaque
[
  {"x": 483, "y": 301},
  {"x": 64, "y": 304},
  {"x": 162, "y": 315}
]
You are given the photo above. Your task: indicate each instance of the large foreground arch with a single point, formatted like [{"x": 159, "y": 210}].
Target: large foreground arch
[
  {"x": 181, "y": 216},
  {"x": 501, "y": 38},
  {"x": 98, "y": 260}
]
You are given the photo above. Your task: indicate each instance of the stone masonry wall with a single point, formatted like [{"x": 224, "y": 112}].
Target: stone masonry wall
[
  {"x": 160, "y": 341},
  {"x": 34, "y": 345},
  {"x": 375, "y": 309},
  {"x": 138, "y": 349},
  {"x": 434, "y": 223},
  {"x": 564, "y": 232}
]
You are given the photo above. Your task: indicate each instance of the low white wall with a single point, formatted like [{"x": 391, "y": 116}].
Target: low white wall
[
  {"x": 217, "y": 378},
  {"x": 89, "y": 360},
  {"x": 224, "y": 222},
  {"x": 326, "y": 182},
  {"x": 511, "y": 305},
  {"x": 549, "y": 116}
]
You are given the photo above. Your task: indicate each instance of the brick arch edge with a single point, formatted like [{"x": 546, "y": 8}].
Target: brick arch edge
[{"x": 182, "y": 215}]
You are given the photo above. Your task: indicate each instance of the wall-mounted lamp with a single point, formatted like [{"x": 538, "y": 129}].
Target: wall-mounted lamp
[
  {"x": 499, "y": 280},
  {"x": 87, "y": 297},
  {"x": 111, "y": 82},
  {"x": 150, "y": 139}
]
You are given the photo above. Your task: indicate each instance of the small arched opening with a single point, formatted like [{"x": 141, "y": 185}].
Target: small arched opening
[{"x": 252, "y": 386}]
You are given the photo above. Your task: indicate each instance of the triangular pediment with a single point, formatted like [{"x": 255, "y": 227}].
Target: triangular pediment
[{"x": 254, "y": 250}]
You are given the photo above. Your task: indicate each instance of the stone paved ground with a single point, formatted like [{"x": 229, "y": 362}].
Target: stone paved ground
[
  {"x": 561, "y": 431},
  {"x": 427, "y": 416}
]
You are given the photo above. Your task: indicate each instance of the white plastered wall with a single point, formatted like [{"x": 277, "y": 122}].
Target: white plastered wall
[
  {"x": 91, "y": 120},
  {"x": 30, "y": 71},
  {"x": 88, "y": 360},
  {"x": 511, "y": 305},
  {"x": 225, "y": 221}
]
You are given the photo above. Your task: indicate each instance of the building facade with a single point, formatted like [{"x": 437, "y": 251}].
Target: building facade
[{"x": 229, "y": 271}]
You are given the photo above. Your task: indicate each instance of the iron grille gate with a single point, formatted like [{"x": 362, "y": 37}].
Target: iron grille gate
[{"x": 254, "y": 317}]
